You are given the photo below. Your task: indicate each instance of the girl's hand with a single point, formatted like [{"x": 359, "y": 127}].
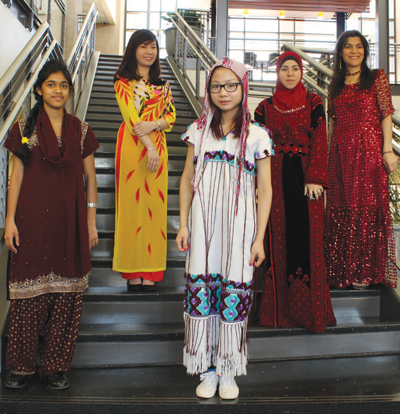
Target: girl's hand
[
  {"x": 11, "y": 233},
  {"x": 144, "y": 128},
  {"x": 257, "y": 253},
  {"x": 390, "y": 161},
  {"x": 182, "y": 239},
  {"x": 93, "y": 237},
  {"x": 152, "y": 160},
  {"x": 314, "y": 191}
]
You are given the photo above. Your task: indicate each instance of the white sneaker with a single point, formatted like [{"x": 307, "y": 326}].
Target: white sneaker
[
  {"x": 208, "y": 386},
  {"x": 228, "y": 390}
]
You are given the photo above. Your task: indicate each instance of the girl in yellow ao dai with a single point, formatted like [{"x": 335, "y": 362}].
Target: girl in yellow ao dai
[{"x": 141, "y": 164}]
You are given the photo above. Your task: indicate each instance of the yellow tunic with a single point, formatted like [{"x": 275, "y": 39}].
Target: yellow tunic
[{"x": 140, "y": 243}]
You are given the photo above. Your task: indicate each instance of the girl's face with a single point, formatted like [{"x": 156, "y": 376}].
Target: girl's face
[
  {"x": 224, "y": 79},
  {"x": 290, "y": 74},
  {"x": 146, "y": 54},
  {"x": 55, "y": 91},
  {"x": 353, "y": 53}
]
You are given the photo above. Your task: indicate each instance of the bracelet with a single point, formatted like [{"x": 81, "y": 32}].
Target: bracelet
[
  {"x": 92, "y": 204},
  {"x": 150, "y": 149},
  {"x": 183, "y": 226},
  {"x": 158, "y": 125},
  {"x": 386, "y": 152}
]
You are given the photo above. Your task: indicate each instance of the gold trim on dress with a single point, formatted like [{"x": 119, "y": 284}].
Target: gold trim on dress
[{"x": 47, "y": 284}]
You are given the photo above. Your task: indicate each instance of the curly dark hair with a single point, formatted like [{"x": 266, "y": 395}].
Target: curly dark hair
[
  {"x": 48, "y": 69},
  {"x": 366, "y": 77}
]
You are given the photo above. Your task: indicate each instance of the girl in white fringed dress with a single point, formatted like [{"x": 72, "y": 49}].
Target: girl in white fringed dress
[{"x": 222, "y": 228}]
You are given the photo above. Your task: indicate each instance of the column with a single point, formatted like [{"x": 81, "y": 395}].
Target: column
[{"x": 222, "y": 29}]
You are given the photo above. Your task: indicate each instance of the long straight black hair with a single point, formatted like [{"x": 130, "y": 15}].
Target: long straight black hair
[
  {"x": 48, "y": 69},
  {"x": 366, "y": 76},
  {"x": 128, "y": 68}
]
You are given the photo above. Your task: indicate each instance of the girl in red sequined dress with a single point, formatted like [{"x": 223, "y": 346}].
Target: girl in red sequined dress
[
  {"x": 359, "y": 240},
  {"x": 295, "y": 291}
]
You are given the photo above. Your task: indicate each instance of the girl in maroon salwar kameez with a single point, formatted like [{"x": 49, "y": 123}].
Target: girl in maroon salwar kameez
[
  {"x": 295, "y": 291},
  {"x": 49, "y": 231},
  {"x": 359, "y": 234}
]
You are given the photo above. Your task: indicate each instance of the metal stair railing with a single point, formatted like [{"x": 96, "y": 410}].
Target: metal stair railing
[
  {"x": 193, "y": 60},
  {"x": 79, "y": 58}
]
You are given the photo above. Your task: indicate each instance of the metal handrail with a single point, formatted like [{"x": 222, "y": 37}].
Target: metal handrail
[
  {"x": 82, "y": 54},
  {"x": 193, "y": 48},
  {"x": 76, "y": 50},
  {"x": 319, "y": 66},
  {"x": 396, "y": 146},
  {"x": 27, "y": 90},
  {"x": 22, "y": 73},
  {"x": 193, "y": 39},
  {"x": 79, "y": 58},
  {"x": 16, "y": 91},
  {"x": 20, "y": 59}
]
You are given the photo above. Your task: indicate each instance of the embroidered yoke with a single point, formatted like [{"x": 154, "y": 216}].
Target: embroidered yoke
[{"x": 219, "y": 280}]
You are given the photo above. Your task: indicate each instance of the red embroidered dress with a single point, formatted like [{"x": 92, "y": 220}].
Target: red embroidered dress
[
  {"x": 51, "y": 215},
  {"x": 359, "y": 234},
  {"x": 295, "y": 291}
]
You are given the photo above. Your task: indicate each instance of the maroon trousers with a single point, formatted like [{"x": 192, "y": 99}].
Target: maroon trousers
[{"x": 55, "y": 317}]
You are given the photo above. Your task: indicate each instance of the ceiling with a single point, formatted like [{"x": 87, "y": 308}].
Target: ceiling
[{"x": 350, "y": 6}]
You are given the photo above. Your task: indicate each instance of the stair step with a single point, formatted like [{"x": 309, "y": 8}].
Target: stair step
[
  {"x": 106, "y": 278},
  {"x": 104, "y": 99},
  {"x": 366, "y": 385},
  {"x": 174, "y": 260},
  {"x": 102, "y": 128},
  {"x": 109, "y": 109},
  {"x": 109, "y": 162},
  {"x": 105, "y": 248},
  {"x": 121, "y": 345},
  {"x": 109, "y": 89},
  {"x": 106, "y": 223},
  {"x": 113, "y": 304},
  {"x": 108, "y": 180},
  {"x": 107, "y": 149},
  {"x": 107, "y": 200},
  {"x": 184, "y": 117}
]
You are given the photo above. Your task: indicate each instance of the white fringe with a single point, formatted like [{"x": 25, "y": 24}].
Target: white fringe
[
  {"x": 232, "y": 349},
  {"x": 209, "y": 341}
]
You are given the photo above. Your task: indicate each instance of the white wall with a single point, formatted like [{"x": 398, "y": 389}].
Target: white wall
[{"x": 14, "y": 36}]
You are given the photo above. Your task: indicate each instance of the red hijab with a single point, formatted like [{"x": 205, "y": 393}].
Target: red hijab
[{"x": 286, "y": 99}]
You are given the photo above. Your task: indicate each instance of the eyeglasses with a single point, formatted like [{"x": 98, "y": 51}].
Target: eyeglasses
[{"x": 229, "y": 87}]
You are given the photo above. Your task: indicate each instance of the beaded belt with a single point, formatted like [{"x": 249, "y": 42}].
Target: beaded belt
[{"x": 294, "y": 149}]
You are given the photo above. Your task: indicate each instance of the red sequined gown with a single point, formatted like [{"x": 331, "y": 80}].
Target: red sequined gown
[
  {"x": 295, "y": 290},
  {"x": 359, "y": 239}
]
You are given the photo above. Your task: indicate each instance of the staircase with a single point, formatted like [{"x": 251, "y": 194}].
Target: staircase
[
  {"x": 117, "y": 327},
  {"x": 125, "y": 329},
  {"x": 352, "y": 367}
]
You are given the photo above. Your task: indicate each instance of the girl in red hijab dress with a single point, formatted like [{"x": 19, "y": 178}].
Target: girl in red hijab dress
[{"x": 295, "y": 292}]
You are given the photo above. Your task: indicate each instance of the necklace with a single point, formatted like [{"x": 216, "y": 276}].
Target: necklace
[{"x": 352, "y": 74}]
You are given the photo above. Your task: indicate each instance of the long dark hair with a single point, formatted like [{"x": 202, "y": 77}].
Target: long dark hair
[
  {"x": 48, "y": 69},
  {"x": 366, "y": 76},
  {"x": 128, "y": 68},
  {"x": 215, "y": 124}
]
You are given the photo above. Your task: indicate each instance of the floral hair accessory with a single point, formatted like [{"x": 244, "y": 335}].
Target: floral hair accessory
[{"x": 25, "y": 140}]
